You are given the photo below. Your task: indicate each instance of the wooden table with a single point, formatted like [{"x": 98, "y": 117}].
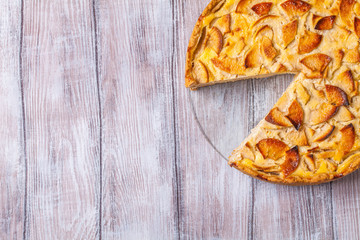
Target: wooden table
[{"x": 101, "y": 140}]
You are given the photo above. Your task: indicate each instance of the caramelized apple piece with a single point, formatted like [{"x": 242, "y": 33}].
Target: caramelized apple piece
[
  {"x": 240, "y": 8},
  {"x": 234, "y": 46},
  {"x": 223, "y": 24},
  {"x": 281, "y": 68},
  {"x": 338, "y": 57},
  {"x": 229, "y": 65},
  {"x": 344, "y": 115},
  {"x": 308, "y": 42},
  {"x": 357, "y": 9},
  {"x": 264, "y": 31},
  {"x": 200, "y": 72},
  {"x": 272, "y": 148},
  {"x": 200, "y": 44},
  {"x": 357, "y": 26},
  {"x": 352, "y": 56},
  {"x": 292, "y": 160},
  {"x": 310, "y": 132},
  {"x": 345, "y": 9},
  {"x": 262, "y": 9},
  {"x": 336, "y": 96},
  {"x": 347, "y": 138},
  {"x": 277, "y": 118},
  {"x": 283, "y": 101},
  {"x": 296, "y": 114},
  {"x": 215, "y": 40},
  {"x": 317, "y": 93},
  {"x": 346, "y": 143},
  {"x": 218, "y": 6},
  {"x": 324, "y": 154},
  {"x": 289, "y": 32},
  {"x": 325, "y": 23},
  {"x": 351, "y": 160},
  {"x": 267, "y": 49},
  {"x": 323, "y": 113},
  {"x": 297, "y": 137},
  {"x": 324, "y": 133},
  {"x": 310, "y": 162},
  {"x": 252, "y": 58},
  {"x": 302, "y": 93},
  {"x": 316, "y": 62},
  {"x": 315, "y": 19},
  {"x": 345, "y": 80},
  {"x": 295, "y": 7}
]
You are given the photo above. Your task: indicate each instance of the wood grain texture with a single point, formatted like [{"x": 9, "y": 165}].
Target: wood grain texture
[
  {"x": 153, "y": 166},
  {"x": 346, "y": 204},
  {"x": 12, "y": 161},
  {"x": 215, "y": 200},
  {"x": 139, "y": 178},
  {"x": 62, "y": 120}
]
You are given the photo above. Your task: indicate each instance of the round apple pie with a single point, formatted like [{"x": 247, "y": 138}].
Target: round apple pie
[{"x": 311, "y": 135}]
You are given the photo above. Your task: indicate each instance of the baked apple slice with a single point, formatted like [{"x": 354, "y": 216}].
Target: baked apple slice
[
  {"x": 316, "y": 62},
  {"x": 276, "y": 117},
  {"x": 289, "y": 32},
  {"x": 215, "y": 40},
  {"x": 308, "y": 42},
  {"x": 296, "y": 114},
  {"x": 262, "y": 9},
  {"x": 323, "y": 113},
  {"x": 272, "y": 148},
  {"x": 336, "y": 96},
  {"x": 325, "y": 23},
  {"x": 292, "y": 161},
  {"x": 323, "y": 132},
  {"x": 295, "y": 7}
]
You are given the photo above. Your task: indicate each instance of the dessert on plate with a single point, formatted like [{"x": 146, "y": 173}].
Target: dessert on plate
[{"x": 311, "y": 135}]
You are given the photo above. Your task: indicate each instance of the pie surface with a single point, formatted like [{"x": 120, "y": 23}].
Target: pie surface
[{"x": 311, "y": 134}]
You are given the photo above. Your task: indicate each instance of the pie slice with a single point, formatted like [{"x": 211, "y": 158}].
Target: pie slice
[{"x": 311, "y": 134}]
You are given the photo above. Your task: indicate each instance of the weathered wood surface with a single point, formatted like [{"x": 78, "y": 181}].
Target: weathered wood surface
[
  {"x": 139, "y": 195},
  {"x": 61, "y": 120},
  {"x": 12, "y": 159},
  {"x": 101, "y": 140}
]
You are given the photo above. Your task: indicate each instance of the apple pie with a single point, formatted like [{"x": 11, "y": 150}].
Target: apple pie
[{"x": 311, "y": 135}]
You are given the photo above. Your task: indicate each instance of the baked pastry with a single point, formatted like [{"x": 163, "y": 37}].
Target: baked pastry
[{"x": 311, "y": 134}]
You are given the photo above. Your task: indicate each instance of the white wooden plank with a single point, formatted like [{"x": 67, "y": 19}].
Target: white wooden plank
[
  {"x": 346, "y": 202},
  {"x": 12, "y": 161},
  {"x": 283, "y": 212},
  {"x": 215, "y": 200},
  {"x": 139, "y": 180},
  {"x": 62, "y": 120}
]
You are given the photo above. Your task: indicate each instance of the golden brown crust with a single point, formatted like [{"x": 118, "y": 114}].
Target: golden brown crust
[{"x": 311, "y": 181}]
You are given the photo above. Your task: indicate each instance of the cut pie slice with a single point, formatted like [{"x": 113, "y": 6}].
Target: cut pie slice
[
  {"x": 311, "y": 134},
  {"x": 315, "y": 148}
]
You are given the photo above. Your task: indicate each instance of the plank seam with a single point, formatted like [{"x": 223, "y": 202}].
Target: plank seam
[
  {"x": 251, "y": 120},
  {"x": 333, "y": 222},
  {"x": 100, "y": 116},
  {"x": 23, "y": 115},
  {"x": 177, "y": 177}
]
